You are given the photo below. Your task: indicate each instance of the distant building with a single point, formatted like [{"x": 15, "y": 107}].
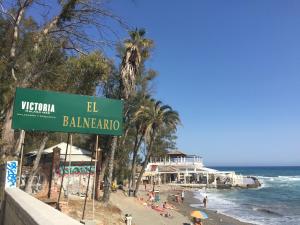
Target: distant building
[{"x": 178, "y": 168}]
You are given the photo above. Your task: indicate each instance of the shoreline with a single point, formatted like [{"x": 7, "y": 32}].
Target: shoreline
[
  {"x": 214, "y": 218},
  {"x": 143, "y": 213}
]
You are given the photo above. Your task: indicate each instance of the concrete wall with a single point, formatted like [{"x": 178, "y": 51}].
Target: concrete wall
[{"x": 19, "y": 208}]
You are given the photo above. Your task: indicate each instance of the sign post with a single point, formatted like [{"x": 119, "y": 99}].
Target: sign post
[{"x": 37, "y": 110}]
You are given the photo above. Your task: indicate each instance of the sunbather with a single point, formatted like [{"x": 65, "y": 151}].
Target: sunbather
[
  {"x": 162, "y": 211},
  {"x": 168, "y": 206}
]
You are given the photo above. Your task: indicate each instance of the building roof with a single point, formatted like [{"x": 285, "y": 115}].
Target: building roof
[
  {"x": 176, "y": 153},
  {"x": 77, "y": 154}
]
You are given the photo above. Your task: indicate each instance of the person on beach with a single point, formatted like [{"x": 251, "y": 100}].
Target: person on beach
[
  {"x": 205, "y": 200},
  {"x": 177, "y": 198},
  {"x": 197, "y": 221},
  {"x": 168, "y": 206},
  {"x": 151, "y": 197},
  {"x": 165, "y": 205},
  {"x": 128, "y": 219},
  {"x": 182, "y": 195}
]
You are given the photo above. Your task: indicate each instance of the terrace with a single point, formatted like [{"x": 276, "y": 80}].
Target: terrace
[{"x": 177, "y": 158}]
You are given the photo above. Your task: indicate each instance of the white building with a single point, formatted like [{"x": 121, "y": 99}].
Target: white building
[{"x": 178, "y": 168}]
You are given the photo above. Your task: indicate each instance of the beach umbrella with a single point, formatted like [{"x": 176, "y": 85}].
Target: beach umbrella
[{"x": 199, "y": 214}]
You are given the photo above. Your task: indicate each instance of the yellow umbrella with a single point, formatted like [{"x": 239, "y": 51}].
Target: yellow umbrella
[{"x": 199, "y": 214}]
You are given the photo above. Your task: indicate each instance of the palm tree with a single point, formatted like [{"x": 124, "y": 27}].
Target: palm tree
[
  {"x": 136, "y": 50},
  {"x": 156, "y": 117}
]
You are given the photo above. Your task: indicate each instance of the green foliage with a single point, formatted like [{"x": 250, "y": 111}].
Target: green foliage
[
  {"x": 135, "y": 51},
  {"x": 67, "y": 11},
  {"x": 87, "y": 72},
  {"x": 157, "y": 117},
  {"x": 165, "y": 140},
  {"x": 47, "y": 65}
]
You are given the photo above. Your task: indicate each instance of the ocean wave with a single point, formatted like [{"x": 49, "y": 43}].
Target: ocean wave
[
  {"x": 196, "y": 205},
  {"x": 290, "y": 178},
  {"x": 267, "y": 211},
  {"x": 230, "y": 204},
  {"x": 278, "y": 177},
  {"x": 216, "y": 198},
  {"x": 245, "y": 218},
  {"x": 278, "y": 180},
  {"x": 221, "y": 205}
]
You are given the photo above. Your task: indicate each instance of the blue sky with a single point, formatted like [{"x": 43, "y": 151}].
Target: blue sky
[{"x": 231, "y": 69}]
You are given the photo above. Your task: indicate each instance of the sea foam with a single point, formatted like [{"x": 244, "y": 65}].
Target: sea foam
[{"x": 267, "y": 205}]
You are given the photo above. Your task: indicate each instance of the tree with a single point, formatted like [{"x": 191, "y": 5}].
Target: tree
[
  {"x": 136, "y": 50},
  {"x": 68, "y": 26},
  {"x": 52, "y": 69},
  {"x": 36, "y": 164},
  {"x": 156, "y": 117},
  {"x": 10, "y": 61}
]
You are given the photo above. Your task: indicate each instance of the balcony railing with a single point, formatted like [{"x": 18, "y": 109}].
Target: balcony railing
[{"x": 177, "y": 161}]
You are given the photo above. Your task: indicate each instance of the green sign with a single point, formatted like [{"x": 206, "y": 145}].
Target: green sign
[{"x": 54, "y": 111}]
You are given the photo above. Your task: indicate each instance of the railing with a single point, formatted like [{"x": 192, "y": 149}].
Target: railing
[
  {"x": 177, "y": 161},
  {"x": 197, "y": 165}
]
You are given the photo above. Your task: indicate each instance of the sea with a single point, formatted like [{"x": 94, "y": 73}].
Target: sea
[{"x": 276, "y": 202}]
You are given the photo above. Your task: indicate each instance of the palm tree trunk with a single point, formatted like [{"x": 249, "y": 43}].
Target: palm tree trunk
[
  {"x": 103, "y": 169},
  {"x": 106, "y": 192},
  {"x": 36, "y": 163},
  {"x": 144, "y": 166},
  {"x": 131, "y": 177},
  {"x": 133, "y": 167}
]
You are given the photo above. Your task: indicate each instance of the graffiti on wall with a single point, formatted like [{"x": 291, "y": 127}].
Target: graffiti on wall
[
  {"x": 11, "y": 174},
  {"x": 76, "y": 184},
  {"x": 81, "y": 169}
]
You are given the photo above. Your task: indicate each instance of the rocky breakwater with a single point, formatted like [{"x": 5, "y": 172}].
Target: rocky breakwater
[
  {"x": 242, "y": 182},
  {"x": 249, "y": 182}
]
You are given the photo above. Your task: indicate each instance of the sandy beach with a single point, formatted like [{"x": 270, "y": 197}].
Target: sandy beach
[
  {"x": 142, "y": 211},
  {"x": 143, "y": 214},
  {"x": 215, "y": 218}
]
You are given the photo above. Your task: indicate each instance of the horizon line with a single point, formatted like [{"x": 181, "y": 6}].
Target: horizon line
[{"x": 252, "y": 166}]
